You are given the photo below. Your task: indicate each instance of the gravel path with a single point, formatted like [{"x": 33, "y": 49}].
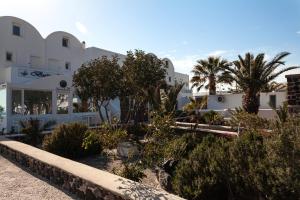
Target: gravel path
[{"x": 18, "y": 184}]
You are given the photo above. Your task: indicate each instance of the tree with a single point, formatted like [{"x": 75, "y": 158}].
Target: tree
[
  {"x": 253, "y": 73},
  {"x": 169, "y": 98},
  {"x": 33, "y": 129},
  {"x": 141, "y": 74},
  {"x": 99, "y": 80},
  {"x": 274, "y": 86},
  {"x": 209, "y": 71}
]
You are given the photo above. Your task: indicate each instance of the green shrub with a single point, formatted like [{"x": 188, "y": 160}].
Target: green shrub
[
  {"x": 33, "y": 129},
  {"x": 203, "y": 174},
  {"x": 283, "y": 153},
  {"x": 179, "y": 148},
  {"x": 110, "y": 138},
  {"x": 66, "y": 140},
  {"x": 132, "y": 171},
  {"x": 92, "y": 142},
  {"x": 251, "y": 166},
  {"x": 159, "y": 134},
  {"x": 213, "y": 118},
  {"x": 138, "y": 130},
  {"x": 248, "y": 121}
]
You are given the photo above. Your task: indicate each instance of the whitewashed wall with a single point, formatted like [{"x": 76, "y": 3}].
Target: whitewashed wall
[{"x": 232, "y": 101}]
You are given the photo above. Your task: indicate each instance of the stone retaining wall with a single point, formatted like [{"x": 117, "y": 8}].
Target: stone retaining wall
[{"x": 82, "y": 180}]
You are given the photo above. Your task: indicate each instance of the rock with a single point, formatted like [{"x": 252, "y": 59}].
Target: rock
[
  {"x": 164, "y": 179},
  {"x": 169, "y": 165},
  {"x": 127, "y": 149}
]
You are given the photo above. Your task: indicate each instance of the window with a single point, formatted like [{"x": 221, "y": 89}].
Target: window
[
  {"x": 16, "y": 30},
  {"x": 62, "y": 103},
  {"x": 9, "y": 56},
  {"x": 272, "y": 101},
  {"x": 37, "y": 102},
  {"x": 16, "y": 102},
  {"x": 170, "y": 79},
  {"x": 167, "y": 63},
  {"x": 2, "y": 102},
  {"x": 65, "y": 42},
  {"x": 67, "y": 66}
]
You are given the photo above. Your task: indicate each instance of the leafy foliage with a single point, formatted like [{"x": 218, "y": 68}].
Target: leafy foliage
[
  {"x": 179, "y": 148},
  {"x": 92, "y": 142},
  {"x": 169, "y": 98},
  {"x": 111, "y": 137},
  {"x": 247, "y": 121},
  {"x": 143, "y": 77},
  {"x": 132, "y": 171},
  {"x": 33, "y": 129},
  {"x": 159, "y": 134},
  {"x": 99, "y": 80},
  {"x": 213, "y": 118},
  {"x": 203, "y": 174},
  {"x": 253, "y": 74},
  {"x": 210, "y": 71},
  {"x": 66, "y": 140}
]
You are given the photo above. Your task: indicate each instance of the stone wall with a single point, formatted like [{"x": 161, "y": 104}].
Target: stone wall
[
  {"x": 82, "y": 180},
  {"x": 293, "y": 95}
]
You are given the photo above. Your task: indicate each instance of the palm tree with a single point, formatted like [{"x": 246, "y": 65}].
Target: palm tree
[
  {"x": 274, "y": 86},
  {"x": 169, "y": 98},
  {"x": 253, "y": 74},
  {"x": 209, "y": 71}
]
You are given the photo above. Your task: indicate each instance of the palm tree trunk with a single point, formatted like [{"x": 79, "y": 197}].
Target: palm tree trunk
[
  {"x": 251, "y": 101},
  {"x": 212, "y": 84}
]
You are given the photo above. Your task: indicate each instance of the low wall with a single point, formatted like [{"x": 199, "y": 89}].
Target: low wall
[{"x": 82, "y": 180}]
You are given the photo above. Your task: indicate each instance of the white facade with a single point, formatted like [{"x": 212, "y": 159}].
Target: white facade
[
  {"x": 223, "y": 103},
  {"x": 29, "y": 62}
]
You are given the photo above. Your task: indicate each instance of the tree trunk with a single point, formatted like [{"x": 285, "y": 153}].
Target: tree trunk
[
  {"x": 212, "y": 84},
  {"x": 106, "y": 112},
  {"x": 99, "y": 110},
  {"x": 251, "y": 101},
  {"x": 84, "y": 105}
]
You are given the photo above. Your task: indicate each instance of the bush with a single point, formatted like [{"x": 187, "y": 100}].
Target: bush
[
  {"x": 66, "y": 140},
  {"x": 203, "y": 174},
  {"x": 213, "y": 118},
  {"x": 92, "y": 142},
  {"x": 251, "y": 166},
  {"x": 283, "y": 153},
  {"x": 33, "y": 129},
  {"x": 137, "y": 130},
  {"x": 132, "y": 171},
  {"x": 248, "y": 121},
  {"x": 180, "y": 148},
  {"x": 110, "y": 138},
  {"x": 159, "y": 134}
]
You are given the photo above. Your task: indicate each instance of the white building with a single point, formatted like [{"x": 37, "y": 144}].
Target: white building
[
  {"x": 224, "y": 103},
  {"x": 36, "y": 75}
]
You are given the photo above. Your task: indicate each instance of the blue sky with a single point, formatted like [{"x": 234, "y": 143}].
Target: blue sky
[{"x": 184, "y": 31}]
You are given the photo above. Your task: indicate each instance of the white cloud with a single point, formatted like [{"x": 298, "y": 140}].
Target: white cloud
[
  {"x": 298, "y": 32},
  {"x": 217, "y": 53},
  {"x": 81, "y": 28},
  {"x": 186, "y": 63}
]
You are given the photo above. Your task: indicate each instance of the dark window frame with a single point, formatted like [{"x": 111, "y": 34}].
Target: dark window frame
[
  {"x": 16, "y": 30},
  {"x": 272, "y": 100},
  {"x": 9, "y": 56},
  {"x": 67, "y": 65},
  {"x": 65, "y": 42}
]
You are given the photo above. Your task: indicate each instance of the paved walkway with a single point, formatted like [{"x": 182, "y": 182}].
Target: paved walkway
[{"x": 17, "y": 184}]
